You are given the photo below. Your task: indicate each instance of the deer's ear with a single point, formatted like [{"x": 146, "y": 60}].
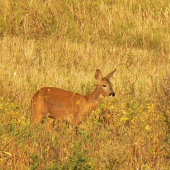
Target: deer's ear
[
  {"x": 110, "y": 74},
  {"x": 98, "y": 75}
]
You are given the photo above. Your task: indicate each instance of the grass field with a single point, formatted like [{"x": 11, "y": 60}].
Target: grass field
[{"x": 61, "y": 44}]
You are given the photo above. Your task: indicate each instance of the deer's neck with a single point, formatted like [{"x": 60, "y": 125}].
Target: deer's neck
[{"x": 94, "y": 98}]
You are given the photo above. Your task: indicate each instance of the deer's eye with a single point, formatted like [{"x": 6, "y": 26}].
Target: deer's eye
[{"x": 104, "y": 85}]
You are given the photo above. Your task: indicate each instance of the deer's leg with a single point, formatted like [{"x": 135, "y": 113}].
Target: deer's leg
[
  {"x": 78, "y": 120},
  {"x": 38, "y": 111}
]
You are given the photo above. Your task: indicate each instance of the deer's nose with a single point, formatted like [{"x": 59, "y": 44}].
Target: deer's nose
[{"x": 112, "y": 94}]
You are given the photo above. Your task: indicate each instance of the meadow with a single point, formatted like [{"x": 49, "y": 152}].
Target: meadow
[{"x": 48, "y": 43}]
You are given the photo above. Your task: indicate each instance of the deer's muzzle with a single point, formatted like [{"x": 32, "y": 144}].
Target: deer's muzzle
[{"x": 112, "y": 94}]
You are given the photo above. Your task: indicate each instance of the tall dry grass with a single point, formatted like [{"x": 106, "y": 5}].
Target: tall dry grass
[{"x": 61, "y": 44}]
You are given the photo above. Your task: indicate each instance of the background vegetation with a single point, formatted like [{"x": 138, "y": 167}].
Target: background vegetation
[{"x": 61, "y": 43}]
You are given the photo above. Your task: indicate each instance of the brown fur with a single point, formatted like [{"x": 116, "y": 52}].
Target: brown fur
[{"x": 69, "y": 106}]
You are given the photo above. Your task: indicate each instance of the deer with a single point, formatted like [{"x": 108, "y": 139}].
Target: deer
[{"x": 70, "y": 106}]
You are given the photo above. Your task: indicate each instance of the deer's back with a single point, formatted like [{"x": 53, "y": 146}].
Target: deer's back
[{"x": 60, "y": 103}]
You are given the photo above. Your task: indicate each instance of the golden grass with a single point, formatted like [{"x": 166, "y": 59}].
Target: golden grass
[{"x": 61, "y": 44}]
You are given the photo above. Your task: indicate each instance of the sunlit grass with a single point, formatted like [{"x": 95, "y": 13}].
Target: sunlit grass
[
  {"x": 135, "y": 136},
  {"x": 61, "y": 44}
]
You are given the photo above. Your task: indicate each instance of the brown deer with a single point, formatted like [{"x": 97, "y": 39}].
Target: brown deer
[{"x": 70, "y": 106}]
